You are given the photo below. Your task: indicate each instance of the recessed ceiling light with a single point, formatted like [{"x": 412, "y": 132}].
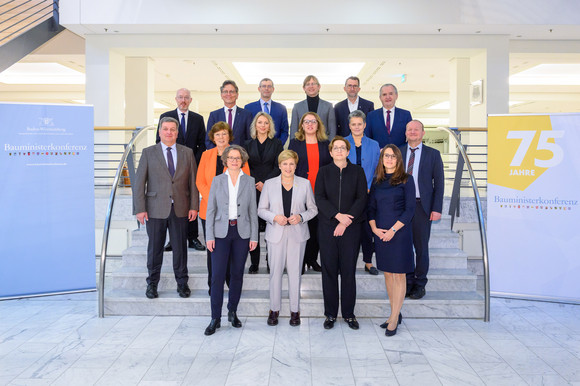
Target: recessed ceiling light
[
  {"x": 41, "y": 73},
  {"x": 562, "y": 74},
  {"x": 446, "y": 105},
  {"x": 294, "y": 73}
]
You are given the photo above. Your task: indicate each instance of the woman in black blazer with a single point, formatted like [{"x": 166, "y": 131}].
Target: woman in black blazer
[
  {"x": 311, "y": 145},
  {"x": 263, "y": 150}
]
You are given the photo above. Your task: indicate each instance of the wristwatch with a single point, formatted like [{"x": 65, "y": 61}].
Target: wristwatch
[{"x": 394, "y": 230}]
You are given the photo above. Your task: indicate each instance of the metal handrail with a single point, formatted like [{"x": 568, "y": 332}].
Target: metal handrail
[
  {"x": 482, "y": 231},
  {"x": 137, "y": 135}
]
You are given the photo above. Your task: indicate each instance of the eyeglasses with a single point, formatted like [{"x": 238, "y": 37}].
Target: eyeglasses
[
  {"x": 311, "y": 84},
  {"x": 390, "y": 156},
  {"x": 234, "y": 158},
  {"x": 266, "y": 86},
  {"x": 339, "y": 148},
  {"x": 351, "y": 86},
  {"x": 231, "y": 92},
  {"x": 309, "y": 121}
]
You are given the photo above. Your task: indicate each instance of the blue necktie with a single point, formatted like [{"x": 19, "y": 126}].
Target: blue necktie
[
  {"x": 183, "y": 124},
  {"x": 170, "y": 164},
  {"x": 266, "y": 109}
]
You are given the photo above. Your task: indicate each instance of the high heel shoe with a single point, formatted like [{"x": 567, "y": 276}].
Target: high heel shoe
[
  {"x": 384, "y": 325},
  {"x": 391, "y": 332},
  {"x": 314, "y": 266}
]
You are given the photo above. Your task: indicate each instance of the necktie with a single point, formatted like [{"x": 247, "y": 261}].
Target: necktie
[
  {"x": 230, "y": 117},
  {"x": 170, "y": 164},
  {"x": 389, "y": 122},
  {"x": 182, "y": 124},
  {"x": 411, "y": 161},
  {"x": 266, "y": 109}
]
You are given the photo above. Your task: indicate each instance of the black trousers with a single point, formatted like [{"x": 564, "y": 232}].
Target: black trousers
[
  {"x": 232, "y": 252},
  {"x": 156, "y": 231},
  {"x": 421, "y": 233},
  {"x": 312, "y": 247},
  {"x": 338, "y": 255},
  {"x": 209, "y": 263},
  {"x": 255, "y": 254},
  {"x": 192, "y": 230},
  {"x": 366, "y": 242}
]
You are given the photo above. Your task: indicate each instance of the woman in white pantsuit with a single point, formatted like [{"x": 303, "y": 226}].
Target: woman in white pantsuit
[{"x": 286, "y": 204}]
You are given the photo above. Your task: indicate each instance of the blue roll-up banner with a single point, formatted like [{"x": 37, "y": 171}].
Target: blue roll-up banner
[{"x": 47, "y": 206}]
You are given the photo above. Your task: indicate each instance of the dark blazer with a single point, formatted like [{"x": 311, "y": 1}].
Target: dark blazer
[
  {"x": 279, "y": 115},
  {"x": 377, "y": 127},
  {"x": 241, "y": 129},
  {"x": 431, "y": 178},
  {"x": 155, "y": 189},
  {"x": 341, "y": 111},
  {"x": 265, "y": 167},
  {"x": 299, "y": 147},
  {"x": 194, "y": 134},
  {"x": 341, "y": 192}
]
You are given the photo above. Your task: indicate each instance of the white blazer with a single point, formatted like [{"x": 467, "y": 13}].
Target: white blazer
[{"x": 271, "y": 205}]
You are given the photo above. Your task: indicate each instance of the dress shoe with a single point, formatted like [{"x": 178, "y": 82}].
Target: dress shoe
[
  {"x": 215, "y": 323},
  {"x": 273, "y": 318},
  {"x": 168, "y": 247},
  {"x": 352, "y": 323},
  {"x": 233, "y": 318},
  {"x": 151, "y": 292},
  {"x": 295, "y": 319},
  {"x": 372, "y": 270},
  {"x": 391, "y": 332},
  {"x": 253, "y": 269},
  {"x": 384, "y": 325},
  {"x": 417, "y": 293},
  {"x": 329, "y": 322},
  {"x": 183, "y": 290},
  {"x": 314, "y": 266},
  {"x": 196, "y": 244}
]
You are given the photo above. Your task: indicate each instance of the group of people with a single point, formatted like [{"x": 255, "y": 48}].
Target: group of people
[{"x": 352, "y": 177}]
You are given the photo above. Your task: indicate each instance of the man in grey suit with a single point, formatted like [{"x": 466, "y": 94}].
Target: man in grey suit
[
  {"x": 165, "y": 196},
  {"x": 314, "y": 104}
]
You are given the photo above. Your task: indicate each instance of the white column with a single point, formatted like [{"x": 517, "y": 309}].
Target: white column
[
  {"x": 459, "y": 92},
  {"x": 105, "y": 83},
  {"x": 139, "y": 83}
]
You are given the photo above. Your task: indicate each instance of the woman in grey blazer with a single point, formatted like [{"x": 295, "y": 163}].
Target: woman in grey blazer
[
  {"x": 232, "y": 230},
  {"x": 286, "y": 204}
]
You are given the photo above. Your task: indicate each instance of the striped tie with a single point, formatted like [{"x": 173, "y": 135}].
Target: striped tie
[{"x": 411, "y": 161}]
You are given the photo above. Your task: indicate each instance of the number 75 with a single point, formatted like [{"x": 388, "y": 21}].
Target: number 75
[{"x": 527, "y": 136}]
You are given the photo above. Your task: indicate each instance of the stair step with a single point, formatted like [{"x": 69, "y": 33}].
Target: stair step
[
  {"x": 435, "y": 304},
  {"x": 439, "y": 280}
]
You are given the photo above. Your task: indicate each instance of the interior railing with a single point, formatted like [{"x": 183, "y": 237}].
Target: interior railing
[
  {"x": 126, "y": 159},
  {"x": 464, "y": 160}
]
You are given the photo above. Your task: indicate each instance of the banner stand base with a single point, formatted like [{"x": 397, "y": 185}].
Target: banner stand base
[
  {"x": 549, "y": 299},
  {"x": 48, "y": 294}
]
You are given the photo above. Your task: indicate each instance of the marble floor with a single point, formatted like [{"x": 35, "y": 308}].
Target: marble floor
[{"x": 59, "y": 340}]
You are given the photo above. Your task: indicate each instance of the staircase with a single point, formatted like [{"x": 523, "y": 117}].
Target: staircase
[{"x": 451, "y": 290}]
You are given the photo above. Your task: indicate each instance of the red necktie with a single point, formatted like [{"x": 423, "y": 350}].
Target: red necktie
[
  {"x": 230, "y": 118},
  {"x": 389, "y": 122}
]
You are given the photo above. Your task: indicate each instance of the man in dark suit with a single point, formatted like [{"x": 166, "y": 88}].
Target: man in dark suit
[
  {"x": 388, "y": 124},
  {"x": 276, "y": 110},
  {"x": 191, "y": 134},
  {"x": 425, "y": 165},
  {"x": 314, "y": 104},
  {"x": 238, "y": 118},
  {"x": 165, "y": 196},
  {"x": 353, "y": 102}
]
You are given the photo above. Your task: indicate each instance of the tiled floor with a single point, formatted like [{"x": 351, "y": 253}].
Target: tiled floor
[{"x": 60, "y": 340}]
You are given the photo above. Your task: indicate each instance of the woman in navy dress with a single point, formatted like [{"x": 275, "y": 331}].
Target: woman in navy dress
[{"x": 390, "y": 210}]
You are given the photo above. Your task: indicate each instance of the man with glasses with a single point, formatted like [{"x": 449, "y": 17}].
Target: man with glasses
[
  {"x": 236, "y": 117},
  {"x": 352, "y": 103},
  {"x": 314, "y": 104},
  {"x": 276, "y": 110},
  {"x": 191, "y": 133}
]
